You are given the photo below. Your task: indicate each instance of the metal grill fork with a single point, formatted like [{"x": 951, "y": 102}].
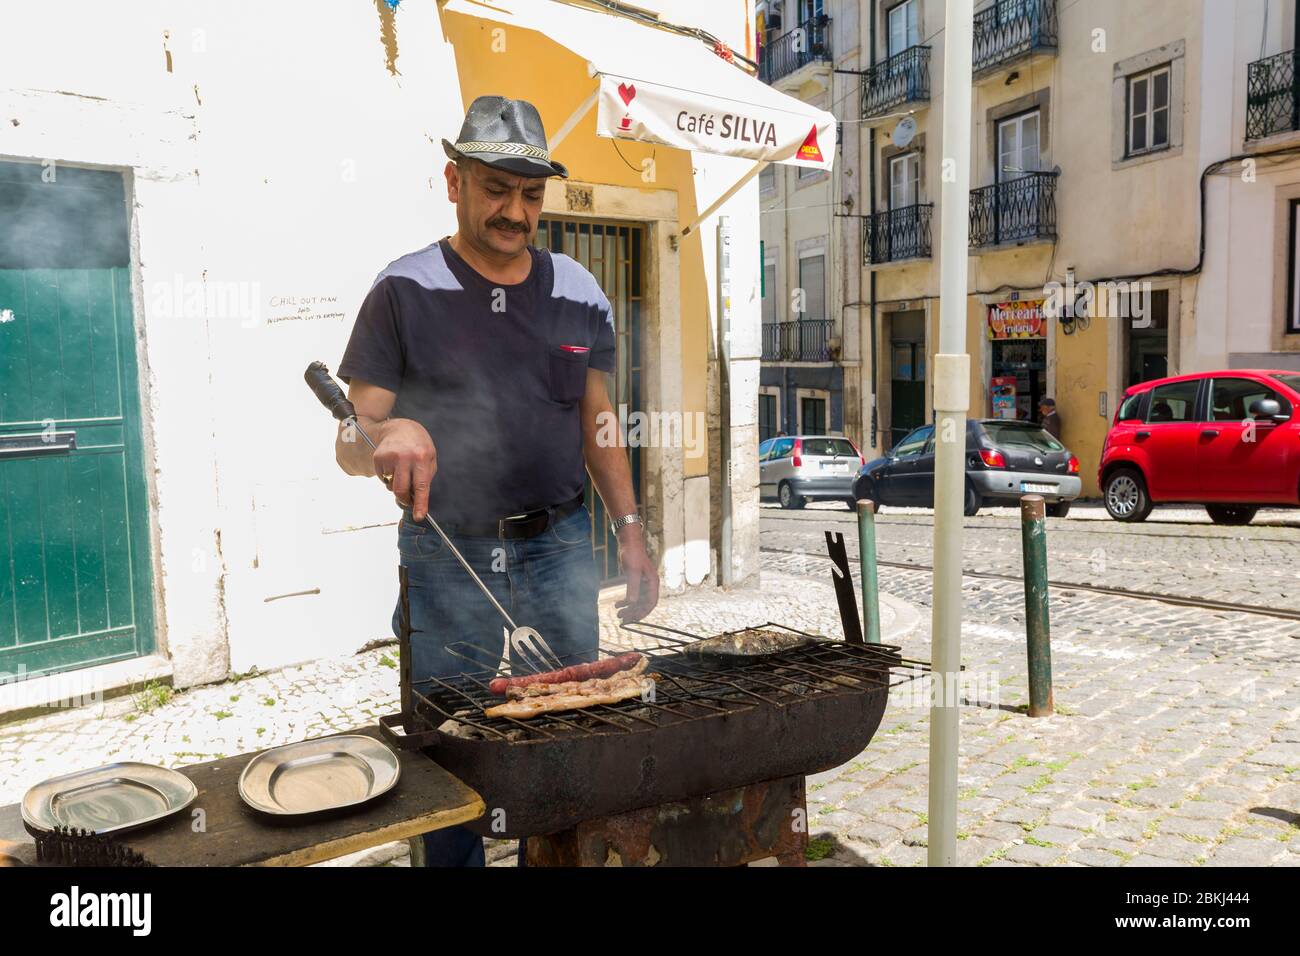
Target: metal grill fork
[{"x": 529, "y": 646}]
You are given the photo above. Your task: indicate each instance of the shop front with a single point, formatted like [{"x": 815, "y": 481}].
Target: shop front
[{"x": 1017, "y": 335}]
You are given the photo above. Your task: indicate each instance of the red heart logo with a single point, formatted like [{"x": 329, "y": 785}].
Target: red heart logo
[{"x": 627, "y": 91}]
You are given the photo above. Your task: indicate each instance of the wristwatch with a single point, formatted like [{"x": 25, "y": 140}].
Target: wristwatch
[{"x": 623, "y": 522}]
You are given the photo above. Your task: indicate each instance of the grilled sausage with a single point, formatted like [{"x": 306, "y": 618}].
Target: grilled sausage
[{"x": 606, "y": 667}]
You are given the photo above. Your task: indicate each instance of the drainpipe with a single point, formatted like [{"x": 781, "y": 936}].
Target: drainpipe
[
  {"x": 951, "y": 401},
  {"x": 871, "y": 211}
]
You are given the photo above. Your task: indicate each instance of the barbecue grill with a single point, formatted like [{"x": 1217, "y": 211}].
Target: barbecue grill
[{"x": 706, "y": 725}]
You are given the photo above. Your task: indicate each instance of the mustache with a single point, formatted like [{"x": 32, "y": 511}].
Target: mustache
[{"x": 508, "y": 225}]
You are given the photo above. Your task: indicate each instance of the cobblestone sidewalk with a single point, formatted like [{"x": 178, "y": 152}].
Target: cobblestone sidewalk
[{"x": 1174, "y": 743}]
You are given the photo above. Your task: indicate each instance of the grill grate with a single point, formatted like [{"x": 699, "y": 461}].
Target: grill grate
[{"x": 687, "y": 688}]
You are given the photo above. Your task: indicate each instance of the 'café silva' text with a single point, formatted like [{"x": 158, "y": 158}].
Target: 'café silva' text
[{"x": 728, "y": 127}]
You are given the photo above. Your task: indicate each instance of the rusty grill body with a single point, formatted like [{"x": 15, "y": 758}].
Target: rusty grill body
[{"x": 708, "y": 726}]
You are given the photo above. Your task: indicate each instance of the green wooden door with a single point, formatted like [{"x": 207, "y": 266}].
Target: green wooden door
[{"x": 75, "y": 583}]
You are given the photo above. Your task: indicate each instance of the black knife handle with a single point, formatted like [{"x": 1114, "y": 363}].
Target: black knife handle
[{"x": 322, "y": 384}]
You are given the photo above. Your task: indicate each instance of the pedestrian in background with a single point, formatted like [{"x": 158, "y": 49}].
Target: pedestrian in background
[{"x": 1048, "y": 418}]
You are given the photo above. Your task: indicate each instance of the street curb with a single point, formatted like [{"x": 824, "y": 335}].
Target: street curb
[{"x": 905, "y": 618}]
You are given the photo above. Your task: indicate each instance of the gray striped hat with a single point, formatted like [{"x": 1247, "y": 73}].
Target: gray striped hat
[{"x": 506, "y": 134}]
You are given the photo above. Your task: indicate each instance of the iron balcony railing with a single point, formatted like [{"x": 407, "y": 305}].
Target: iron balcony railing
[
  {"x": 903, "y": 78},
  {"x": 1010, "y": 29},
  {"x": 809, "y": 42},
  {"x": 897, "y": 234},
  {"x": 803, "y": 340},
  {"x": 1272, "y": 105},
  {"x": 1018, "y": 210}
]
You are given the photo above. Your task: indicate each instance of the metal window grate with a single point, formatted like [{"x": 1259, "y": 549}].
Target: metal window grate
[
  {"x": 1011, "y": 29},
  {"x": 903, "y": 78},
  {"x": 807, "y": 43},
  {"x": 897, "y": 234},
  {"x": 804, "y": 340},
  {"x": 1272, "y": 105},
  {"x": 1017, "y": 210},
  {"x": 613, "y": 253}
]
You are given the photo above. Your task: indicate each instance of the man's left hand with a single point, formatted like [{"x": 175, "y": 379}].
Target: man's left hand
[{"x": 642, "y": 575}]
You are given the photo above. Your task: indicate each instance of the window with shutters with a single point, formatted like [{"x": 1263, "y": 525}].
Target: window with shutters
[
  {"x": 1148, "y": 100},
  {"x": 1148, "y": 111},
  {"x": 812, "y": 280}
]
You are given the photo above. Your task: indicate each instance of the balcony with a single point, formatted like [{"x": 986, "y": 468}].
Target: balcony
[
  {"x": 810, "y": 42},
  {"x": 804, "y": 340},
  {"x": 902, "y": 79},
  {"x": 1014, "y": 212},
  {"x": 896, "y": 235},
  {"x": 1271, "y": 103},
  {"x": 1011, "y": 30}
]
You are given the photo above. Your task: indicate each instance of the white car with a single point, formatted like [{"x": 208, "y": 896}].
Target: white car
[{"x": 796, "y": 469}]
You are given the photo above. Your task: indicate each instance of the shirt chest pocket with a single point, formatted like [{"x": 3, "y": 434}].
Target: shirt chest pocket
[{"x": 568, "y": 374}]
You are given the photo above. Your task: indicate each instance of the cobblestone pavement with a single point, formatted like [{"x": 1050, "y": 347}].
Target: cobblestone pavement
[
  {"x": 336, "y": 695},
  {"x": 1176, "y": 742},
  {"x": 1255, "y": 565},
  {"x": 1176, "y": 739}
]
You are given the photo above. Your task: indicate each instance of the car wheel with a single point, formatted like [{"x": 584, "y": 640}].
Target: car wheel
[
  {"x": 1231, "y": 514},
  {"x": 1125, "y": 494},
  {"x": 1058, "y": 509},
  {"x": 852, "y": 503},
  {"x": 788, "y": 498},
  {"x": 971, "y": 506}
]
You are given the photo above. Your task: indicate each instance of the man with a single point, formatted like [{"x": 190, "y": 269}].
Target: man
[
  {"x": 1048, "y": 418},
  {"x": 478, "y": 365}
]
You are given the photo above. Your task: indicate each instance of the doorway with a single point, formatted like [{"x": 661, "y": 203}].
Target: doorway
[
  {"x": 1024, "y": 363},
  {"x": 613, "y": 253},
  {"x": 1147, "y": 349},
  {"x": 76, "y": 584},
  {"x": 907, "y": 374}
]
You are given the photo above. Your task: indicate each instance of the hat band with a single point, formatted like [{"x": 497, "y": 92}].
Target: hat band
[{"x": 505, "y": 149}]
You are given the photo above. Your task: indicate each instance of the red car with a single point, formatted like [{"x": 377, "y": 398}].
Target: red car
[{"x": 1228, "y": 440}]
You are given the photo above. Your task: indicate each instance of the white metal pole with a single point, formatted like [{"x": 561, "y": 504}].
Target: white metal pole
[{"x": 951, "y": 400}]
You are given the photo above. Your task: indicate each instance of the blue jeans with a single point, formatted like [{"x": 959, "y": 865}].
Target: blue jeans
[{"x": 547, "y": 582}]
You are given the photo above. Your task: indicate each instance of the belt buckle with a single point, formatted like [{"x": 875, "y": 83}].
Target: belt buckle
[{"x": 503, "y": 523}]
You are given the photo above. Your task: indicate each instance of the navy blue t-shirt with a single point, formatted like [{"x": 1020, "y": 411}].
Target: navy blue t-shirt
[{"x": 494, "y": 372}]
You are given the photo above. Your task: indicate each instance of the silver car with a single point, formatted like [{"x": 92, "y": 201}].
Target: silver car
[{"x": 797, "y": 469}]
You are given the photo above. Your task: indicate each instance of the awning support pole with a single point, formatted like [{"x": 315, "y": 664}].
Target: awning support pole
[
  {"x": 713, "y": 206},
  {"x": 951, "y": 400},
  {"x": 567, "y": 126}
]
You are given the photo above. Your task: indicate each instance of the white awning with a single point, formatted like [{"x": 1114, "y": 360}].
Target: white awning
[{"x": 656, "y": 86}]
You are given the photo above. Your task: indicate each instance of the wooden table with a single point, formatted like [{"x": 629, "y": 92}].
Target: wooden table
[{"x": 426, "y": 798}]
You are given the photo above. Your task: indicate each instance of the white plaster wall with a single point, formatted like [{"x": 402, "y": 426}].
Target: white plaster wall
[
  {"x": 237, "y": 157},
  {"x": 281, "y": 157},
  {"x": 1218, "y": 90},
  {"x": 1237, "y": 310}
]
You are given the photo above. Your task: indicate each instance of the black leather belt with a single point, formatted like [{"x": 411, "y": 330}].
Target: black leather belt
[{"x": 527, "y": 525}]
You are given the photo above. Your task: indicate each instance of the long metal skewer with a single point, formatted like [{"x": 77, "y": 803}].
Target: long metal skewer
[
  {"x": 527, "y": 645},
  {"x": 445, "y": 540}
]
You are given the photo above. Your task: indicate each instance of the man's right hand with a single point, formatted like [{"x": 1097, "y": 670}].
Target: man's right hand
[{"x": 407, "y": 461}]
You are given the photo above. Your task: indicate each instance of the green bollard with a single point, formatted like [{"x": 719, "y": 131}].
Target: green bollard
[
  {"x": 1033, "y": 531},
  {"x": 867, "y": 565}
]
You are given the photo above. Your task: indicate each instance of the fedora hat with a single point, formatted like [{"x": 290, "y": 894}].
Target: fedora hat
[{"x": 506, "y": 134}]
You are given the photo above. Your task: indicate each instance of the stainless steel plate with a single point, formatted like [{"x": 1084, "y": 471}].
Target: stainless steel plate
[
  {"x": 316, "y": 775},
  {"x": 109, "y": 799}
]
